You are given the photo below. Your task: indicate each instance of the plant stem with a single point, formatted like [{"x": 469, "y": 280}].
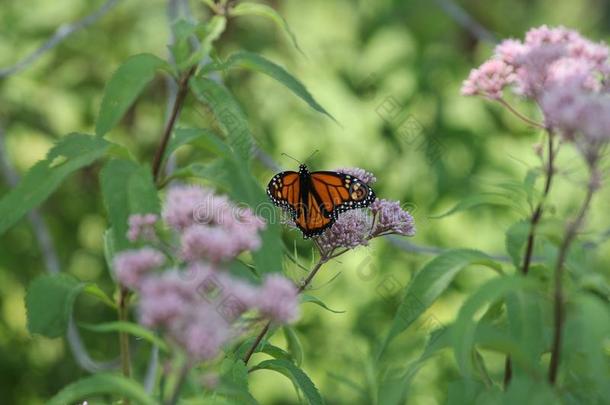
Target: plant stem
[
  {"x": 519, "y": 115},
  {"x": 534, "y": 220},
  {"x": 527, "y": 258},
  {"x": 559, "y": 299},
  {"x": 302, "y": 287},
  {"x": 184, "y": 371},
  {"x": 180, "y": 97},
  {"x": 123, "y": 337}
]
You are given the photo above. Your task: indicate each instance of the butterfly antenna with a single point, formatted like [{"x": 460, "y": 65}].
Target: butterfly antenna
[
  {"x": 296, "y": 160},
  {"x": 312, "y": 154}
]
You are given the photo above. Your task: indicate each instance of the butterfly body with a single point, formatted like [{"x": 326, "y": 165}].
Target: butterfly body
[{"x": 315, "y": 199}]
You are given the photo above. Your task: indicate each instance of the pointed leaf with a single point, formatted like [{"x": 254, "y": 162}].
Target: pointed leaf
[
  {"x": 68, "y": 155},
  {"x": 253, "y": 61},
  {"x": 294, "y": 344},
  {"x": 49, "y": 301},
  {"x": 315, "y": 300},
  {"x": 102, "y": 384},
  {"x": 430, "y": 282},
  {"x": 228, "y": 113},
  {"x": 298, "y": 377},
  {"x": 256, "y": 9},
  {"x": 127, "y": 327},
  {"x": 124, "y": 87}
]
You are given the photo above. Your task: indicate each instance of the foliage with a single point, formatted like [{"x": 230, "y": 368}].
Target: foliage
[{"x": 412, "y": 328}]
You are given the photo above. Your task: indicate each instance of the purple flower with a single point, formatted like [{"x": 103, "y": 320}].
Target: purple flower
[
  {"x": 142, "y": 226},
  {"x": 212, "y": 227},
  {"x": 352, "y": 229},
  {"x": 366, "y": 177},
  {"x": 391, "y": 218},
  {"x": 278, "y": 299},
  {"x": 204, "y": 333},
  {"x": 132, "y": 265},
  {"x": 182, "y": 203},
  {"x": 165, "y": 299}
]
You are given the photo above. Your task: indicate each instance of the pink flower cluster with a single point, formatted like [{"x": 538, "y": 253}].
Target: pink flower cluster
[
  {"x": 355, "y": 228},
  {"x": 195, "y": 302},
  {"x": 211, "y": 226},
  {"x": 566, "y": 74},
  {"x": 547, "y": 57},
  {"x": 489, "y": 80}
]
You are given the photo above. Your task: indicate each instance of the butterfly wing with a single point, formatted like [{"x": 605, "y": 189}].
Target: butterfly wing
[
  {"x": 284, "y": 190},
  {"x": 339, "y": 192}
]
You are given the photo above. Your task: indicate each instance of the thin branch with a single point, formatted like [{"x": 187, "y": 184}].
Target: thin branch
[
  {"x": 62, "y": 32},
  {"x": 123, "y": 337},
  {"x": 559, "y": 299},
  {"x": 520, "y": 115},
  {"x": 180, "y": 97},
  {"x": 460, "y": 16},
  {"x": 302, "y": 288},
  {"x": 537, "y": 214}
]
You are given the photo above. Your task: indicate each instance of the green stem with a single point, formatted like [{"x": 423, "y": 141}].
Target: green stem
[
  {"x": 519, "y": 115},
  {"x": 559, "y": 299},
  {"x": 267, "y": 326},
  {"x": 180, "y": 97},
  {"x": 184, "y": 371},
  {"x": 535, "y": 219},
  {"x": 124, "y": 337}
]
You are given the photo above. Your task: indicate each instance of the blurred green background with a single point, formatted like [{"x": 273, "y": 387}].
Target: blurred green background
[{"x": 389, "y": 71}]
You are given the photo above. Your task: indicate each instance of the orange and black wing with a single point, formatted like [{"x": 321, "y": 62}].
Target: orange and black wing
[
  {"x": 339, "y": 192},
  {"x": 284, "y": 189}
]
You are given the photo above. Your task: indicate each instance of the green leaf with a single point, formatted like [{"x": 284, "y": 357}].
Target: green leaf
[
  {"x": 315, "y": 300},
  {"x": 49, "y": 302},
  {"x": 493, "y": 199},
  {"x": 68, "y": 155},
  {"x": 253, "y": 61},
  {"x": 516, "y": 237},
  {"x": 95, "y": 291},
  {"x": 228, "y": 113},
  {"x": 261, "y": 10},
  {"x": 234, "y": 381},
  {"x": 429, "y": 283},
  {"x": 129, "y": 328},
  {"x": 142, "y": 193},
  {"x": 102, "y": 384},
  {"x": 298, "y": 377},
  {"x": 124, "y": 87},
  {"x": 465, "y": 326},
  {"x": 294, "y": 344},
  {"x": 201, "y": 138},
  {"x": 126, "y": 189}
]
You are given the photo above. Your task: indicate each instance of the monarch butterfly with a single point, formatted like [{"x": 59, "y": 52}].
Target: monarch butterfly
[{"x": 315, "y": 199}]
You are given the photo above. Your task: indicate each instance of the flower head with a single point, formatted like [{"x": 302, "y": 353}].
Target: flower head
[
  {"x": 352, "y": 229},
  {"x": 278, "y": 299},
  {"x": 132, "y": 265},
  {"x": 489, "y": 79},
  {"x": 392, "y": 218},
  {"x": 182, "y": 203}
]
